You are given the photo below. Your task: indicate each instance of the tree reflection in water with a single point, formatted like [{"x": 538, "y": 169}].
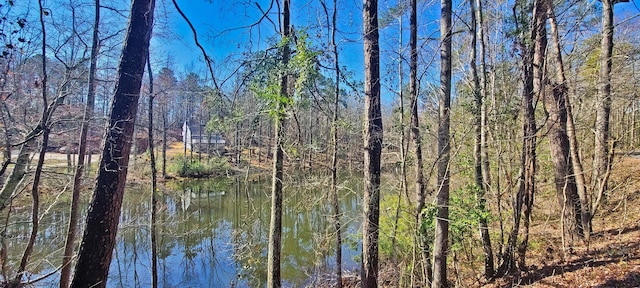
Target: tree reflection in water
[{"x": 211, "y": 233}]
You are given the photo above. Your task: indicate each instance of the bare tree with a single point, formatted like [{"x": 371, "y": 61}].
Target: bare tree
[
  {"x": 65, "y": 275},
  {"x": 335, "y": 199},
  {"x": 561, "y": 87},
  {"x": 47, "y": 110},
  {"x": 373, "y": 137},
  {"x": 479, "y": 93},
  {"x": 523, "y": 200},
  {"x": 601, "y": 157},
  {"x": 104, "y": 212},
  {"x": 440, "y": 245}
]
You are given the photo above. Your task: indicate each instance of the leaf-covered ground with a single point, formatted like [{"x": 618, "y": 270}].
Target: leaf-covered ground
[
  {"x": 613, "y": 256},
  {"x": 610, "y": 259}
]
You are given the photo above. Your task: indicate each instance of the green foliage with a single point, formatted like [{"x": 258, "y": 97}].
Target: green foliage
[
  {"x": 303, "y": 62},
  {"x": 465, "y": 214},
  {"x": 405, "y": 227},
  {"x": 184, "y": 167},
  {"x": 521, "y": 24},
  {"x": 428, "y": 225},
  {"x": 267, "y": 80},
  {"x": 464, "y": 217}
]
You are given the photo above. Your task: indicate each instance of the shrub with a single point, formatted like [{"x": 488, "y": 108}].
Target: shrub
[{"x": 184, "y": 167}]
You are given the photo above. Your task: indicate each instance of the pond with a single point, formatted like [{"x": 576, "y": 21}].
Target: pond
[{"x": 210, "y": 233}]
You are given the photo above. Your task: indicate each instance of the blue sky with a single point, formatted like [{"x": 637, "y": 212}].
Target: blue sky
[{"x": 225, "y": 30}]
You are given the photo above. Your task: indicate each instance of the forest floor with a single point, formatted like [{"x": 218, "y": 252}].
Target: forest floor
[{"x": 610, "y": 259}]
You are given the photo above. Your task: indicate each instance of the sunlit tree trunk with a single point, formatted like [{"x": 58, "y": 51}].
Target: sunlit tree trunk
[
  {"x": 480, "y": 138},
  {"x": 372, "y": 145},
  {"x": 164, "y": 141},
  {"x": 603, "y": 101},
  {"x": 556, "y": 106},
  {"x": 275, "y": 226},
  {"x": 422, "y": 245},
  {"x": 601, "y": 156},
  {"x": 576, "y": 162},
  {"x": 104, "y": 212},
  {"x": 440, "y": 244}
]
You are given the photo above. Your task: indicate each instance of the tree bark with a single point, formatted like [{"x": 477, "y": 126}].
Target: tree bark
[
  {"x": 373, "y": 137},
  {"x": 557, "y": 121},
  {"x": 19, "y": 169},
  {"x": 601, "y": 157},
  {"x": 104, "y": 212},
  {"x": 275, "y": 226},
  {"x": 441, "y": 242},
  {"x": 603, "y": 100},
  {"x": 480, "y": 138},
  {"x": 576, "y": 162},
  {"x": 65, "y": 274},
  {"x": 423, "y": 246}
]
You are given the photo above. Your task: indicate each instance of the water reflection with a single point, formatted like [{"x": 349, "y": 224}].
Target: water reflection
[{"x": 211, "y": 233}]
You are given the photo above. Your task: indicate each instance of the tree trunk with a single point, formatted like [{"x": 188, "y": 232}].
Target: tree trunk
[
  {"x": 164, "y": 142},
  {"x": 486, "y": 169},
  {"x": 19, "y": 169},
  {"x": 531, "y": 92},
  {"x": 523, "y": 201},
  {"x": 275, "y": 227},
  {"x": 603, "y": 100},
  {"x": 65, "y": 274},
  {"x": 335, "y": 199},
  {"x": 35, "y": 194},
  {"x": 479, "y": 96},
  {"x": 423, "y": 246},
  {"x": 68, "y": 154},
  {"x": 154, "y": 180},
  {"x": 557, "y": 122},
  {"x": 576, "y": 163},
  {"x": 440, "y": 245},
  {"x": 602, "y": 157},
  {"x": 403, "y": 153},
  {"x": 373, "y": 137},
  {"x": 104, "y": 212}
]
